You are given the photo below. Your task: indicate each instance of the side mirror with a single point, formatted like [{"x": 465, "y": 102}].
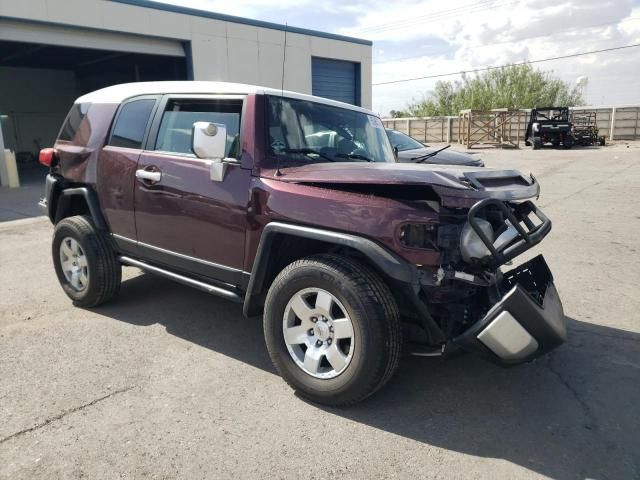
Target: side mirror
[{"x": 209, "y": 140}]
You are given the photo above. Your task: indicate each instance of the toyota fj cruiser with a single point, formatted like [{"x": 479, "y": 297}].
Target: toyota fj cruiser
[{"x": 295, "y": 206}]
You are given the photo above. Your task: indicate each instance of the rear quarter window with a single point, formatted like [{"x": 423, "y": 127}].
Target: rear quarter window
[
  {"x": 131, "y": 123},
  {"x": 72, "y": 123}
]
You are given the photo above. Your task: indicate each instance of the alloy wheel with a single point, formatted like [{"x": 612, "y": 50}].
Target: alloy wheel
[
  {"x": 318, "y": 333},
  {"x": 74, "y": 264}
]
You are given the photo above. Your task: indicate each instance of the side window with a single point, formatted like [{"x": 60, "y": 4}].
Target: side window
[
  {"x": 73, "y": 121},
  {"x": 131, "y": 123},
  {"x": 174, "y": 134}
]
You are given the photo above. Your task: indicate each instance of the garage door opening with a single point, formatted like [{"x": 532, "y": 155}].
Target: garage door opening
[{"x": 38, "y": 84}]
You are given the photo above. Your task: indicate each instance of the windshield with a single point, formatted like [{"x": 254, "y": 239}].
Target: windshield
[
  {"x": 304, "y": 132},
  {"x": 558, "y": 114},
  {"x": 403, "y": 142}
]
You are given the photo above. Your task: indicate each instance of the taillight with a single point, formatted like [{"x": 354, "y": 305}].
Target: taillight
[{"x": 47, "y": 156}]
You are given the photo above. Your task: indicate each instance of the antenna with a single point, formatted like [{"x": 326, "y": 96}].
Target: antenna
[
  {"x": 284, "y": 57},
  {"x": 284, "y": 60}
]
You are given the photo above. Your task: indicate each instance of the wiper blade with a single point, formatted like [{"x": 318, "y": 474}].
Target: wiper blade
[
  {"x": 308, "y": 151},
  {"x": 354, "y": 155},
  {"x": 422, "y": 158}
]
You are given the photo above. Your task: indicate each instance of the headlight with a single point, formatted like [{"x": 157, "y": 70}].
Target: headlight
[
  {"x": 536, "y": 127},
  {"x": 471, "y": 246},
  {"x": 418, "y": 235}
]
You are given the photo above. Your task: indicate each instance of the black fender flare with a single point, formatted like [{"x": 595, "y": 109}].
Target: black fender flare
[
  {"x": 386, "y": 261},
  {"x": 58, "y": 198}
]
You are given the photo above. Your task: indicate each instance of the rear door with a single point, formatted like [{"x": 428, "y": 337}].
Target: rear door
[
  {"x": 185, "y": 220},
  {"x": 117, "y": 165}
]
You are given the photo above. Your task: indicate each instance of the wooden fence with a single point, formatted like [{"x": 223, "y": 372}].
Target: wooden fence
[{"x": 614, "y": 123}]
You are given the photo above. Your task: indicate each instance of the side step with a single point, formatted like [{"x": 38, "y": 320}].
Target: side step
[{"x": 205, "y": 287}]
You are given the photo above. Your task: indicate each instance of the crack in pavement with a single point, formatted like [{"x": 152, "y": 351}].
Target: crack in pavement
[
  {"x": 592, "y": 424},
  {"x": 64, "y": 414}
]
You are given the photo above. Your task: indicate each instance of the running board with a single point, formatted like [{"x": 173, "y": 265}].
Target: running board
[{"x": 205, "y": 287}]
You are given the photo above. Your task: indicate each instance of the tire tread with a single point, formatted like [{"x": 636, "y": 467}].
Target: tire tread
[
  {"x": 107, "y": 272},
  {"x": 376, "y": 294}
]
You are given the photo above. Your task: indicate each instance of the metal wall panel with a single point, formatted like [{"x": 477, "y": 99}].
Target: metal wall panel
[{"x": 336, "y": 79}]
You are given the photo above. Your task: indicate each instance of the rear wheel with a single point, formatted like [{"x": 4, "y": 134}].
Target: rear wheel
[
  {"x": 537, "y": 143},
  {"x": 85, "y": 263},
  {"x": 568, "y": 143},
  {"x": 332, "y": 329}
]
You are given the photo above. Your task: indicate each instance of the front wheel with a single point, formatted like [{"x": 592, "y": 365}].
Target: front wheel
[
  {"x": 332, "y": 329},
  {"x": 85, "y": 263}
]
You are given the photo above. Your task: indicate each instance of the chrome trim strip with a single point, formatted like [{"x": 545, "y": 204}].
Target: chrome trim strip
[
  {"x": 124, "y": 239},
  {"x": 205, "y": 287},
  {"x": 179, "y": 255}
]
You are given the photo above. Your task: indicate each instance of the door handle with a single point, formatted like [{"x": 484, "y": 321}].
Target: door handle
[{"x": 148, "y": 175}]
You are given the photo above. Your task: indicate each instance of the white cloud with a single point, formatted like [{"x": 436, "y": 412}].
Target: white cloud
[
  {"x": 459, "y": 35},
  {"x": 518, "y": 31}
]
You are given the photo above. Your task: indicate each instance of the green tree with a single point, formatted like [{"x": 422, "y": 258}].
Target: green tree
[
  {"x": 513, "y": 86},
  {"x": 397, "y": 114}
]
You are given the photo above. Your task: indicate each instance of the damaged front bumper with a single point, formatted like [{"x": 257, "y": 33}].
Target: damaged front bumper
[{"x": 525, "y": 323}]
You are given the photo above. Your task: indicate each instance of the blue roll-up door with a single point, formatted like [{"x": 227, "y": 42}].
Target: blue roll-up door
[{"x": 336, "y": 79}]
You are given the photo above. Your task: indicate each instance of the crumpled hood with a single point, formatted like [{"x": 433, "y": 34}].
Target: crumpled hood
[
  {"x": 456, "y": 185},
  {"x": 448, "y": 157},
  {"x": 379, "y": 173}
]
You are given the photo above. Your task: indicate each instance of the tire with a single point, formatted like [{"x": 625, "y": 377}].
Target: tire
[
  {"x": 364, "y": 299},
  {"x": 568, "y": 143},
  {"x": 537, "y": 143},
  {"x": 93, "y": 276},
  {"x": 601, "y": 141}
]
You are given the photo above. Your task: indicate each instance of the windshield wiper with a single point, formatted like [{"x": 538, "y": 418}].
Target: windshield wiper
[
  {"x": 354, "y": 155},
  {"x": 422, "y": 158},
  {"x": 308, "y": 151}
]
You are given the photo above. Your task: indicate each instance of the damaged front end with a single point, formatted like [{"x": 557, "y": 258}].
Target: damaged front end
[
  {"x": 455, "y": 228},
  {"x": 511, "y": 317}
]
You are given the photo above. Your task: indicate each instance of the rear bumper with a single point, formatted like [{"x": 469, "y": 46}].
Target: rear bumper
[
  {"x": 525, "y": 323},
  {"x": 52, "y": 187}
]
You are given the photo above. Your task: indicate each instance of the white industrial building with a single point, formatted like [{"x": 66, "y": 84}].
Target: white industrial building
[{"x": 52, "y": 51}]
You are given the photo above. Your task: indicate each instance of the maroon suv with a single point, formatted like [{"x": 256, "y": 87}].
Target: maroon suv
[{"x": 295, "y": 206}]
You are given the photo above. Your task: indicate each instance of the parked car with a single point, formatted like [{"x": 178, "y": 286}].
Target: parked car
[
  {"x": 411, "y": 150},
  {"x": 342, "y": 250}
]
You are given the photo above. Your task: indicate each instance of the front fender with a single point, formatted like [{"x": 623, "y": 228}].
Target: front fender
[{"x": 386, "y": 261}]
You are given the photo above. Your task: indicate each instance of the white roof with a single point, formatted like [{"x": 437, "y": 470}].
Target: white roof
[{"x": 119, "y": 93}]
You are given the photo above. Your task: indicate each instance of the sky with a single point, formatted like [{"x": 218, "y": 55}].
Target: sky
[{"x": 421, "y": 38}]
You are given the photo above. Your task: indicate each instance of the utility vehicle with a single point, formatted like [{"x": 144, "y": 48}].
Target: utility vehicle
[{"x": 295, "y": 207}]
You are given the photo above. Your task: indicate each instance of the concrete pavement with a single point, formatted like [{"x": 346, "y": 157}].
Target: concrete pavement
[{"x": 168, "y": 382}]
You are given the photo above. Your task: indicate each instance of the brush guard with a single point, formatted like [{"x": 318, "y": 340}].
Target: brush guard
[{"x": 529, "y": 234}]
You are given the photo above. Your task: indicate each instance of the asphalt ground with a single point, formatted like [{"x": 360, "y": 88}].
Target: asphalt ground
[{"x": 168, "y": 382}]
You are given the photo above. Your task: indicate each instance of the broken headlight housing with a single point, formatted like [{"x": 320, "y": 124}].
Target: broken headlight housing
[
  {"x": 472, "y": 248},
  {"x": 418, "y": 235}
]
